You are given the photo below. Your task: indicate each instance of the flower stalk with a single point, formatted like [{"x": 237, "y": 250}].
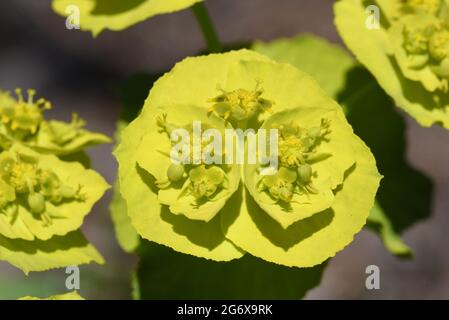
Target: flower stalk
[{"x": 207, "y": 28}]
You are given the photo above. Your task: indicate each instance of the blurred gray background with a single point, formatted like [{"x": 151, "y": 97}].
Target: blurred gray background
[{"x": 79, "y": 73}]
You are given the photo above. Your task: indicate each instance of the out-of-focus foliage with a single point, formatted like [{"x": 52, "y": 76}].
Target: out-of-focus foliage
[
  {"x": 165, "y": 274},
  {"x": 126, "y": 235}
]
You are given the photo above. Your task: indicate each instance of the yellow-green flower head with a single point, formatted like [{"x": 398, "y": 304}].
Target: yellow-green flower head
[
  {"x": 98, "y": 15},
  {"x": 23, "y": 121},
  {"x": 21, "y": 114},
  {"x": 300, "y": 215},
  {"x": 421, "y": 44},
  {"x": 43, "y": 200},
  {"x": 408, "y": 55},
  {"x": 42, "y": 196}
]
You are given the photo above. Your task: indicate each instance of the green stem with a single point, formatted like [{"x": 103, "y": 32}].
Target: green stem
[{"x": 206, "y": 26}]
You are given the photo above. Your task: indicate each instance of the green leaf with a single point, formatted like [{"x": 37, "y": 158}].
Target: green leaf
[
  {"x": 134, "y": 91},
  {"x": 166, "y": 274},
  {"x": 301, "y": 51},
  {"x": 366, "y": 106},
  {"x": 59, "y": 251},
  {"x": 116, "y": 15},
  {"x": 126, "y": 235},
  {"x": 65, "y": 296},
  {"x": 379, "y": 222}
]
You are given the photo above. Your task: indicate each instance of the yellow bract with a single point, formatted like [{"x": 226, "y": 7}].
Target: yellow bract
[{"x": 115, "y": 15}]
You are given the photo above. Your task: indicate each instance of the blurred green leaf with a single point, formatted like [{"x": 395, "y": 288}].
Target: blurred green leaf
[
  {"x": 59, "y": 251},
  {"x": 127, "y": 236},
  {"x": 404, "y": 196},
  {"x": 134, "y": 91},
  {"x": 379, "y": 222},
  {"x": 326, "y": 63},
  {"x": 116, "y": 15},
  {"x": 166, "y": 274}
]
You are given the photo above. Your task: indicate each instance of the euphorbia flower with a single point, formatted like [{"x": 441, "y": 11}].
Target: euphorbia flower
[
  {"x": 193, "y": 190},
  {"x": 43, "y": 202},
  {"x": 42, "y": 196},
  {"x": 408, "y": 55},
  {"x": 116, "y": 15},
  {"x": 22, "y": 121},
  {"x": 304, "y": 213}
]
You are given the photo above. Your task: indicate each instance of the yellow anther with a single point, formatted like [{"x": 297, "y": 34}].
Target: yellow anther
[{"x": 19, "y": 94}]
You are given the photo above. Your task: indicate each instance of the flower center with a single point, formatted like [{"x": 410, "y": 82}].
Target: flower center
[
  {"x": 297, "y": 147},
  {"x": 240, "y": 104},
  {"x": 296, "y": 144}
]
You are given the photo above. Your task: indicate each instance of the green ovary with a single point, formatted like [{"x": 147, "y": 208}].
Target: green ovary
[{"x": 202, "y": 181}]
